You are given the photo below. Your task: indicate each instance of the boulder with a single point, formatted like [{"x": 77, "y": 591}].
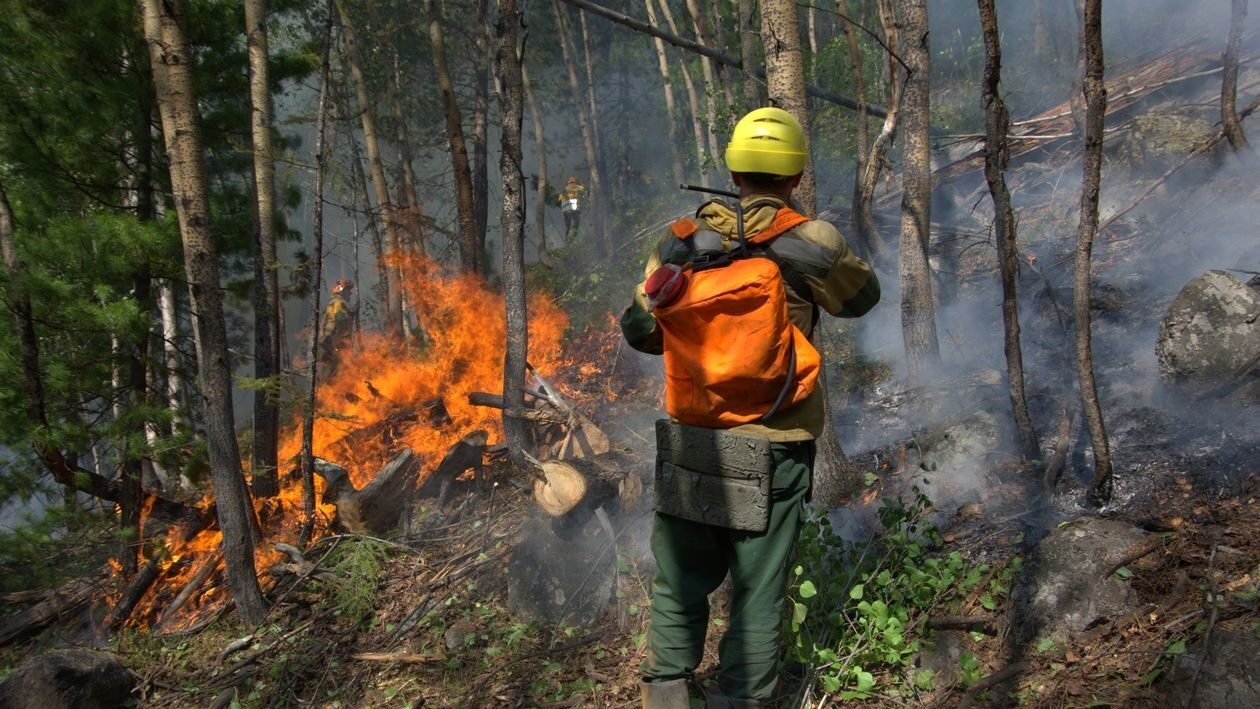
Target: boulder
[
  {"x": 1071, "y": 581},
  {"x": 1230, "y": 678},
  {"x": 1210, "y": 335},
  {"x": 69, "y": 679}
]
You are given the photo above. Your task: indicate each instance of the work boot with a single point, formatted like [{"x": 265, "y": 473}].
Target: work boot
[
  {"x": 671, "y": 694},
  {"x": 719, "y": 701}
]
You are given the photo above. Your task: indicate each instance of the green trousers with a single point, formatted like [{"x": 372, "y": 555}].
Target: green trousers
[{"x": 692, "y": 559}]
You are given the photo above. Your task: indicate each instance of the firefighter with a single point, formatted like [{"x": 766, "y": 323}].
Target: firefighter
[
  {"x": 766, "y": 156},
  {"x": 335, "y": 328},
  {"x": 571, "y": 205}
]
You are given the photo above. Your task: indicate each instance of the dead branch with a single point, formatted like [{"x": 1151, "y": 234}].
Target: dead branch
[
  {"x": 198, "y": 578},
  {"x": 993, "y": 680},
  {"x": 403, "y": 657},
  {"x": 976, "y": 624}
]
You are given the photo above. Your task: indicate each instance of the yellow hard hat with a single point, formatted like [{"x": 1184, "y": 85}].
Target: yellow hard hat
[{"x": 768, "y": 140}]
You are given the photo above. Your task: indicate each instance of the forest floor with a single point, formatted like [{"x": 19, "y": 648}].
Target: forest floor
[{"x": 425, "y": 621}]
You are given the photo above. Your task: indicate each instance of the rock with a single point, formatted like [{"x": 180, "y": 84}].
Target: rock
[
  {"x": 1230, "y": 678},
  {"x": 1210, "y": 335},
  {"x": 69, "y": 679},
  {"x": 1071, "y": 584}
]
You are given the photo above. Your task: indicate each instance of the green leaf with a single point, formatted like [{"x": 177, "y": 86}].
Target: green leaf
[
  {"x": 1045, "y": 645},
  {"x": 987, "y": 601},
  {"x": 857, "y": 592},
  {"x": 865, "y": 680},
  {"x": 1123, "y": 573},
  {"x": 808, "y": 590},
  {"x": 1177, "y": 648},
  {"x": 799, "y": 611},
  {"x": 830, "y": 683}
]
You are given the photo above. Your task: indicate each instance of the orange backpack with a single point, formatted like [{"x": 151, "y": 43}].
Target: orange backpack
[{"x": 732, "y": 355}]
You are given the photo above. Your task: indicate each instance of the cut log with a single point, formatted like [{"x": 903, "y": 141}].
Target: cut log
[
  {"x": 377, "y": 507},
  {"x": 569, "y": 486},
  {"x": 560, "y": 488},
  {"x": 57, "y": 604}
]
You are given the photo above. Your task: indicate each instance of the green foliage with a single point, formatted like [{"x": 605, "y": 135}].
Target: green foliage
[
  {"x": 857, "y": 607},
  {"x": 357, "y": 566},
  {"x": 58, "y": 543}
]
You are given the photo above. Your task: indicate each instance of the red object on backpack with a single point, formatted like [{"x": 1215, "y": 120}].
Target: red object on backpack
[{"x": 665, "y": 285}]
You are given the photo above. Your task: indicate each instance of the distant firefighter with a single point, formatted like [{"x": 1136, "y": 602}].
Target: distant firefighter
[
  {"x": 571, "y": 204},
  {"x": 335, "y": 328}
]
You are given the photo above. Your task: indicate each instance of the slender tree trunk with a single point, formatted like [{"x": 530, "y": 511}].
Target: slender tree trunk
[
  {"x": 596, "y": 183},
  {"x": 414, "y": 213},
  {"x": 508, "y": 70},
  {"x": 699, "y": 130},
  {"x": 996, "y": 124},
  {"x": 785, "y": 78},
  {"x": 748, "y": 27},
  {"x": 170, "y": 350},
  {"x": 464, "y": 199},
  {"x": 918, "y": 317},
  {"x": 710, "y": 81},
  {"x": 312, "y": 342},
  {"x": 266, "y": 269},
  {"x": 540, "y": 142},
  {"x": 480, "y": 120},
  {"x": 1229, "y": 83},
  {"x": 181, "y": 127},
  {"x": 811, "y": 29},
  {"x": 671, "y": 111},
  {"x": 354, "y": 62},
  {"x": 1095, "y": 110},
  {"x": 719, "y": 40},
  {"x": 867, "y": 164},
  {"x": 359, "y": 179}
]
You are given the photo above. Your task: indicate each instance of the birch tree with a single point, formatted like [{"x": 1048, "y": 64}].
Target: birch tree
[
  {"x": 465, "y": 202},
  {"x": 596, "y": 183},
  {"x": 371, "y": 141},
  {"x": 171, "y": 61},
  {"x": 266, "y": 275},
  {"x": 671, "y": 110},
  {"x": 699, "y": 130}
]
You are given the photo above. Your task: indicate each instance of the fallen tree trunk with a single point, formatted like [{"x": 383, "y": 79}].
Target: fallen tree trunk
[
  {"x": 378, "y": 506},
  {"x": 57, "y": 604},
  {"x": 150, "y": 572}
]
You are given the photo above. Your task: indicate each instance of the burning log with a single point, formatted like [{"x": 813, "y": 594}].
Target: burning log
[
  {"x": 203, "y": 572},
  {"x": 54, "y": 605},
  {"x": 377, "y": 507},
  {"x": 388, "y": 430},
  {"x": 149, "y": 573},
  {"x": 465, "y": 455}
]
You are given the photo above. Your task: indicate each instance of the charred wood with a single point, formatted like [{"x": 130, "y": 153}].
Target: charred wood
[
  {"x": 54, "y": 605},
  {"x": 377, "y": 507}
]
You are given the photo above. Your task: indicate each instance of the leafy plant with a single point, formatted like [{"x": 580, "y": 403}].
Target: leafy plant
[
  {"x": 856, "y": 608},
  {"x": 357, "y": 566}
]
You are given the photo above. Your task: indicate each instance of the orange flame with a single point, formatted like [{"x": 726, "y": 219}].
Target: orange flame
[{"x": 359, "y": 422}]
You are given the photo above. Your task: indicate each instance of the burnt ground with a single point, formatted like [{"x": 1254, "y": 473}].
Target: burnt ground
[{"x": 437, "y": 629}]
